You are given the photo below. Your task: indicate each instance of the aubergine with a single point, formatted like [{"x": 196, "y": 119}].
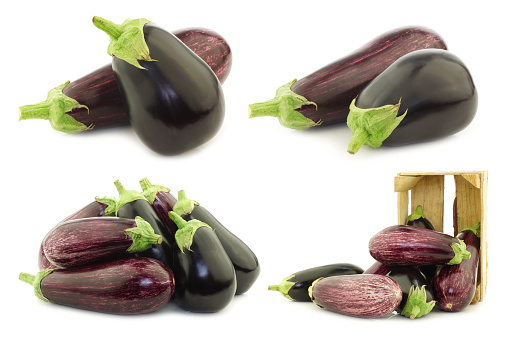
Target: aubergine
[
  {"x": 323, "y": 97},
  {"x": 132, "y": 204},
  {"x": 359, "y": 295},
  {"x": 455, "y": 286},
  {"x": 410, "y": 245},
  {"x": 123, "y": 286},
  {"x": 85, "y": 241},
  {"x": 162, "y": 201},
  {"x": 418, "y": 219},
  {"x": 94, "y": 102},
  {"x": 244, "y": 260},
  {"x": 204, "y": 275},
  {"x": 296, "y": 286},
  {"x": 423, "y": 96},
  {"x": 173, "y": 99}
]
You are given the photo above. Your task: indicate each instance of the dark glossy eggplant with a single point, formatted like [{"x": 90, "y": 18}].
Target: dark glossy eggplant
[
  {"x": 358, "y": 295},
  {"x": 410, "y": 245},
  {"x": 85, "y": 241},
  {"x": 296, "y": 286},
  {"x": 132, "y": 204},
  {"x": 162, "y": 201},
  {"x": 124, "y": 286},
  {"x": 424, "y": 95},
  {"x": 94, "y": 101},
  {"x": 323, "y": 97},
  {"x": 418, "y": 219},
  {"x": 204, "y": 275},
  {"x": 245, "y": 262},
  {"x": 173, "y": 99},
  {"x": 455, "y": 286}
]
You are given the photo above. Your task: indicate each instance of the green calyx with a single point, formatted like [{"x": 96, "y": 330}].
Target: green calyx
[
  {"x": 416, "y": 215},
  {"x": 150, "y": 191},
  {"x": 372, "y": 126},
  {"x": 126, "y": 196},
  {"x": 476, "y": 229},
  {"x": 143, "y": 236},
  {"x": 127, "y": 40},
  {"x": 111, "y": 205},
  {"x": 416, "y": 305},
  {"x": 284, "y": 287},
  {"x": 35, "y": 281},
  {"x": 283, "y": 107},
  {"x": 310, "y": 289},
  {"x": 184, "y": 205},
  {"x": 55, "y": 109},
  {"x": 187, "y": 229},
  {"x": 460, "y": 252}
]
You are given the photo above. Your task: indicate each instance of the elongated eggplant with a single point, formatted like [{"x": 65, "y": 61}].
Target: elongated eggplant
[
  {"x": 418, "y": 219},
  {"x": 454, "y": 286},
  {"x": 173, "y": 99},
  {"x": 94, "y": 101},
  {"x": 323, "y": 97},
  {"x": 204, "y": 275},
  {"x": 162, "y": 201},
  {"x": 84, "y": 241},
  {"x": 132, "y": 204},
  {"x": 296, "y": 286},
  {"x": 410, "y": 245},
  {"x": 245, "y": 262},
  {"x": 359, "y": 295},
  {"x": 124, "y": 286},
  {"x": 424, "y": 95}
]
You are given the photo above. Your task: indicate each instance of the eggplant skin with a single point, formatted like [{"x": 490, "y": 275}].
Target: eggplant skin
[
  {"x": 124, "y": 286},
  {"x": 360, "y": 295}
]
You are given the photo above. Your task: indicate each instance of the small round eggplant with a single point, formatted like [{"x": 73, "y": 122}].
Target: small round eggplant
[
  {"x": 359, "y": 295},
  {"x": 424, "y": 95},
  {"x": 296, "y": 286},
  {"x": 173, "y": 99},
  {"x": 81, "y": 242},
  {"x": 454, "y": 286},
  {"x": 245, "y": 262},
  {"x": 419, "y": 220},
  {"x": 204, "y": 275}
]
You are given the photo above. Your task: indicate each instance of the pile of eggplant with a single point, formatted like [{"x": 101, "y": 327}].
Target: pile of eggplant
[
  {"x": 417, "y": 269},
  {"x": 403, "y": 87},
  {"x": 167, "y": 86},
  {"x": 134, "y": 253}
]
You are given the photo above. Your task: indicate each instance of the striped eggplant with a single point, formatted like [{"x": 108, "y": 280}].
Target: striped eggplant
[
  {"x": 296, "y": 286},
  {"x": 85, "y": 241},
  {"x": 124, "y": 286},
  {"x": 359, "y": 295},
  {"x": 323, "y": 97},
  {"x": 454, "y": 286},
  {"x": 411, "y": 245},
  {"x": 162, "y": 201}
]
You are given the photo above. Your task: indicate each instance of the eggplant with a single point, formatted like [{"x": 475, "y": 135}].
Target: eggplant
[
  {"x": 84, "y": 241},
  {"x": 173, "y": 99},
  {"x": 323, "y": 97},
  {"x": 94, "y": 102},
  {"x": 132, "y": 204},
  {"x": 455, "y": 286},
  {"x": 162, "y": 201},
  {"x": 204, "y": 275},
  {"x": 124, "y": 286},
  {"x": 296, "y": 286},
  {"x": 424, "y": 95},
  {"x": 418, "y": 219},
  {"x": 359, "y": 295},
  {"x": 410, "y": 245},
  {"x": 245, "y": 262}
]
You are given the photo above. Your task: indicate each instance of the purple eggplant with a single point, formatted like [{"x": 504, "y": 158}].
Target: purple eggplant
[
  {"x": 359, "y": 295},
  {"x": 418, "y": 219},
  {"x": 85, "y": 241},
  {"x": 162, "y": 201},
  {"x": 94, "y": 101},
  {"x": 323, "y": 97},
  {"x": 410, "y": 245},
  {"x": 454, "y": 286},
  {"x": 124, "y": 286},
  {"x": 424, "y": 95},
  {"x": 296, "y": 286}
]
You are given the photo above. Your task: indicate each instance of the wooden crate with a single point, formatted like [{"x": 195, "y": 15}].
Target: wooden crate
[{"x": 469, "y": 206}]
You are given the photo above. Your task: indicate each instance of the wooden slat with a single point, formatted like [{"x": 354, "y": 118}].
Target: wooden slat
[
  {"x": 429, "y": 193},
  {"x": 405, "y": 183}
]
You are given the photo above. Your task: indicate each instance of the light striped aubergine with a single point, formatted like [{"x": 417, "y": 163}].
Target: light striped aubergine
[{"x": 358, "y": 295}]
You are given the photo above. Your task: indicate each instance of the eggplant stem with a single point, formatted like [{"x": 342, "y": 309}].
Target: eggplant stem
[
  {"x": 284, "y": 287},
  {"x": 113, "y": 30},
  {"x": 416, "y": 305},
  {"x": 35, "y": 281},
  {"x": 184, "y": 205},
  {"x": 186, "y": 230},
  {"x": 460, "y": 252},
  {"x": 143, "y": 236},
  {"x": 150, "y": 191},
  {"x": 126, "y": 196},
  {"x": 417, "y": 214}
]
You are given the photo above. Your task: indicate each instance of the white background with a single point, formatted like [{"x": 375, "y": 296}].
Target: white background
[{"x": 297, "y": 198}]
